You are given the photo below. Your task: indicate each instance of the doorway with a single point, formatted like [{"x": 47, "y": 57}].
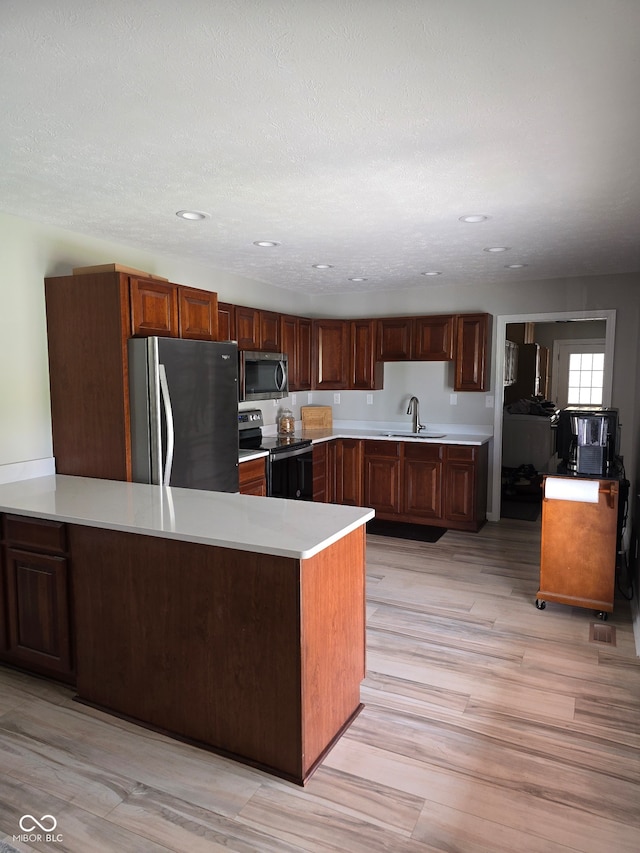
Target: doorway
[{"x": 499, "y": 371}]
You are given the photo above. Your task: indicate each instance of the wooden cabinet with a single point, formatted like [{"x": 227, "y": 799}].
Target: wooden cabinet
[
  {"x": 460, "y": 485},
  {"x": 247, "y": 327},
  {"x": 422, "y": 482},
  {"x": 331, "y": 354},
  {"x": 471, "y": 361},
  {"x": 344, "y": 352},
  {"x": 394, "y": 339},
  {"x": 88, "y": 325},
  {"x": 256, "y": 656},
  {"x": 324, "y": 471},
  {"x": 295, "y": 338},
  {"x": 255, "y": 329},
  {"x": 36, "y": 618},
  {"x": 382, "y": 477},
  {"x": 197, "y": 314},
  {"x": 154, "y": 307},
  {"x": 429, "y": 338},
  {"x": 444, "y": 485},
  {"x": 171, "y": 310},
  {"x": 433, "y": 338},
  {"x": 348, "y": 467},
  {"x": 578, "y": 550},
  {"x": 253, "y": 477},
  {"x": 226, "y": 321},
  {"x": 365, "y": 372},
  {"x": 269, "y": 331},
  {"x": 89, "y": 321}
]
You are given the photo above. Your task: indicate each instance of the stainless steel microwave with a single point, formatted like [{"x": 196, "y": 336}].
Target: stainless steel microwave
[{"x": 263, "y": 375}]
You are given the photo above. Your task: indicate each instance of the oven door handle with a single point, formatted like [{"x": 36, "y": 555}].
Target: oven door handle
[{"x": 288, "y": 454}]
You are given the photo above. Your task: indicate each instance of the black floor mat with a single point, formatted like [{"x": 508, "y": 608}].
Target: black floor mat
[{"x": 401, "y": 530}]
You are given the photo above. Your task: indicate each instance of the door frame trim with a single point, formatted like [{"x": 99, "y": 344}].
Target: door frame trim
[{"x": 498, "y": 381}]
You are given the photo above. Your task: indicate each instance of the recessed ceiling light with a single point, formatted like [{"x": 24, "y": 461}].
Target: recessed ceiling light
[
  {"x": 473, "y": 217},
  {"x": 497, "y": 249},
  {"x": 357, "y": 278},
  {"x": 431, "y": 272},
  {"x": 514, "y": 266},
  {"x": 265, "y": 243},
  {"x": 322, "y": 266},
  {"x": 192, "y": 214}
]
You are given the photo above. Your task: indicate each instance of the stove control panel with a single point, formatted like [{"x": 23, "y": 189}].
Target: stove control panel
[{"x": 250, "y": 419}]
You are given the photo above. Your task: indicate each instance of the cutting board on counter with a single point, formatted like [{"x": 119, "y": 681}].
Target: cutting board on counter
[{"x": 317, "y": 417}]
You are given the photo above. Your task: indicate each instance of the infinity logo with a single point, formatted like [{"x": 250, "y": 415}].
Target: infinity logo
[{"x": 42, "y": 824}]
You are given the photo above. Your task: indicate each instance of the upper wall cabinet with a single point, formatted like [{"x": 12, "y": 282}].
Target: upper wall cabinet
[
  {"x": 331, "y": 354},
  {"x": 429, "y": 338},
  {"x": 170, "y": 310},
  {"x": 433, "y": 338},
  {"x": 471, "y": 361},
  {"x": 255, "y": 329},
  {"x": 295, "y": 339},
  {"x": 247, "y": 330},
  {"x": 197, "y": 314},
  {"x": 154, "y": 307},
  {"x": 344, "y": 352},
  {"x": 226, "y": 321},
  {"x": 365, "y": 372}
]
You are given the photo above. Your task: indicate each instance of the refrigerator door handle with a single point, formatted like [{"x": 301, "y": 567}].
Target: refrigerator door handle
[
  {"x": 281, "y": 385},
  {"x": 168, "y": 413}
]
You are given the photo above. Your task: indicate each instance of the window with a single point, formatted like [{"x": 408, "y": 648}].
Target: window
[
  {"x": 578, "y": 372},
  {"x": 586, "y": 377}
]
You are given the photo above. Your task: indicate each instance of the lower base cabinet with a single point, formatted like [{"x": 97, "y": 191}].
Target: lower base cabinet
[
  {"x": 35, "y": 606},
  {"x": 439, "y": 484},
  {"x": 256, "y": 656},
  {"x": 253, "y": 477}
]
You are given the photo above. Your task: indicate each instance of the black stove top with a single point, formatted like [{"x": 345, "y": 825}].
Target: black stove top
[
  {"x": 279, "y": 443},
  {"x": 250, "y": 434}
]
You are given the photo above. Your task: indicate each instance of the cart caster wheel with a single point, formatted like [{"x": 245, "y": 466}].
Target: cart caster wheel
[
  {"x": 540, "y": 604},
  {"x": 602, "y": 614}
]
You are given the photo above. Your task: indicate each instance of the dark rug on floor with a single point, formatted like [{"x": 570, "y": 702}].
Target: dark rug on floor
[
  {"x": 522, "y": 510},
  {"x": 401, "y": 530}
]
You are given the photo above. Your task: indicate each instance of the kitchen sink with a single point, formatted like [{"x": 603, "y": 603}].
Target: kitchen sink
[{"x": 415, "y": 434}]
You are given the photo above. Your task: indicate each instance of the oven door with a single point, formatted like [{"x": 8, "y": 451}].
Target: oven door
[{"x": 291, "y": 475}]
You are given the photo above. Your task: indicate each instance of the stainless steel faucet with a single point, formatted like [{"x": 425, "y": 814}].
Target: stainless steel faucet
[{"x": 414, "y": 407}]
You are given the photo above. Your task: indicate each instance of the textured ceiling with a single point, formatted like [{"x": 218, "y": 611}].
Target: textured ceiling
[{"x": 354, "y": 133}]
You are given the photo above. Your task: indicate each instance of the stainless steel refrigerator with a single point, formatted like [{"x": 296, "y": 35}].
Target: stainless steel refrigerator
[{"x": 184, "y": 413}]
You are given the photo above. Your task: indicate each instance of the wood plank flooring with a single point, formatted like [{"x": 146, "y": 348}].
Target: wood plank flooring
[{"x": 489, "y": 727}]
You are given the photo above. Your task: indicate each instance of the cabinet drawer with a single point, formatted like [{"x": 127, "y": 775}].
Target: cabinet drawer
[
  {"x": 35, "y": 533},
  {"x": 460, "y": 453},
  {"x": 423, "y": 452},
  {"x": 252, "y": 470},
  {"x": 382, "y": 448}
]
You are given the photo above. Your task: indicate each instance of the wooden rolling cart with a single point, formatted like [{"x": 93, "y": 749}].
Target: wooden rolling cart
[{"x": 578, "y": 546}]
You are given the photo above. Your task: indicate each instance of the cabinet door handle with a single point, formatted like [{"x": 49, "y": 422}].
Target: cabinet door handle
[{"x": 168, "y": 414}]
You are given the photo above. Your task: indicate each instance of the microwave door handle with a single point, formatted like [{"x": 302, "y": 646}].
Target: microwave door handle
[
  {"x": 168, "y": 413},
  {"x": 283, "y": 381}
]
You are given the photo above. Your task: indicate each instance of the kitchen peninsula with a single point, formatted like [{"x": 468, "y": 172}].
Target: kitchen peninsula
[{"x": 231, "y": 621}]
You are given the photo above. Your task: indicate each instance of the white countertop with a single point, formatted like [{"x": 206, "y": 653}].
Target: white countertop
[
  {"x": 286, "y": 528},
  {"x": 451, "y": 434}
]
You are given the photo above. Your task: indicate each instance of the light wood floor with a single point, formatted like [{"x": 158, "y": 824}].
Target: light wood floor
[{"x": 489, "y": 726}]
